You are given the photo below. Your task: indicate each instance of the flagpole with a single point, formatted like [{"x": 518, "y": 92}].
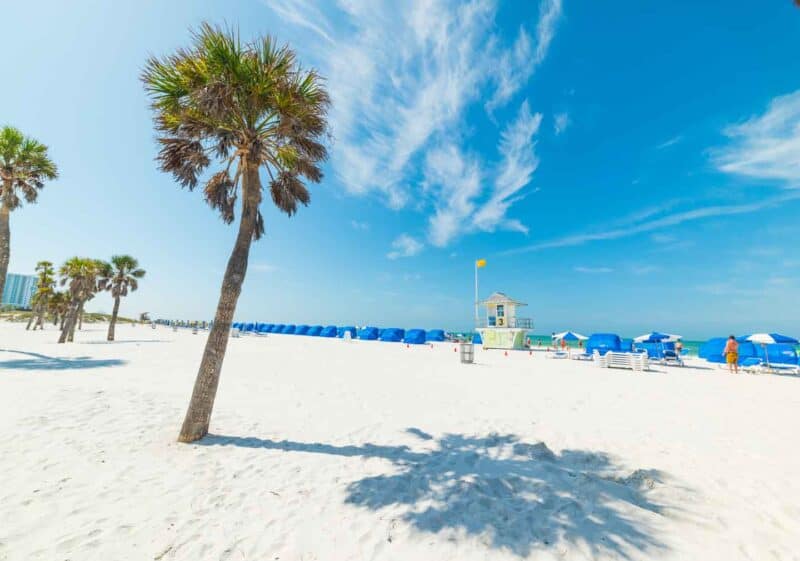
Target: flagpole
[{"x": 476, "y": 295}]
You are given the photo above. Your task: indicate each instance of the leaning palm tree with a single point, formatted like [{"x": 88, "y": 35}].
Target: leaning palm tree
[
  {"x": 45, "y": 287},
  {"x": 124, "y": 275},
  {"x": 252, "y": 108},
  {"x": 80, "y": 274},
  {"x": 24, "y": 166}
]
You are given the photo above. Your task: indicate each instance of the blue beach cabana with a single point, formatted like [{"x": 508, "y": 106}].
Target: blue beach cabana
[
  {"x": 301, "y": 330},
  {"x": 314, "y": 330},
  {"x": 392, "y": 334},
  {"x": 368, "y": 333},
  {"x": 346, "y": 329},
  {"x": 329, "y": 331},
  {"x": 435, "y": 335},
  {"x": 414, "y": 337}
]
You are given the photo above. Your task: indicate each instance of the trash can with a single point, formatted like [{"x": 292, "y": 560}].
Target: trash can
[{"x": 467, "y": 353}]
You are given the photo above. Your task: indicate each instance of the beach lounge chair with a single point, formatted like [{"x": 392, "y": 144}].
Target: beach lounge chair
[
  {"x": 347, "y": 329},
  {"x": 613, "y": 359},
  {"x": 558, "y": 354},
  {"x": 670, "y": 356}
]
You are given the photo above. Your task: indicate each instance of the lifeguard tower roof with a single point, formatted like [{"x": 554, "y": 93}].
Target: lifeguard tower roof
[{"x": 501, "y": 298}]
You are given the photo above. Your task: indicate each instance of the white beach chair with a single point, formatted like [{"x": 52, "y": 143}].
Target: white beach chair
[{"x": 632, "y": 361}]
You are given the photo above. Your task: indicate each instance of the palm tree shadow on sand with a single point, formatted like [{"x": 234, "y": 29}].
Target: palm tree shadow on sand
[
  {"x": 512, "y": 495},
  {"x": 37, "y": 361}
]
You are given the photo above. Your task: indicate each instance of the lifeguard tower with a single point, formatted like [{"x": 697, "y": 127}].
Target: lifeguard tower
[{"x": 502, "y": 328}]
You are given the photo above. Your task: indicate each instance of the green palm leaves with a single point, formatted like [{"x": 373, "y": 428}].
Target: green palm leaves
[
  {"x": 24, "y": 166},
  {"x": 247, "y": 105}
]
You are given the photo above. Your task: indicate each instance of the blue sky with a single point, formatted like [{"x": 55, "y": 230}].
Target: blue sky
[{"x": 622, "y": 166}]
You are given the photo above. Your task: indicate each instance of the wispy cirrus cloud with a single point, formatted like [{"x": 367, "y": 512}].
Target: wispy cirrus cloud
[
  {"x": 560, "y": 123},
  {"x": 405, "y": 246},
  {"x": 653, "y": 220},
  {"x": 766, "y": 146},
  {"x": 593, "y": 270},
  {"x": 358, "y": 225},
  {"x": 402, "y": 77},
  {"x": 516, "y": 66},
  {"x": 670, "y": 142}
]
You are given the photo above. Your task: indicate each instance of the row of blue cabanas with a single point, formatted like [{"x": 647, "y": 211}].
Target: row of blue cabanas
[{"x": 390, "y": 334}]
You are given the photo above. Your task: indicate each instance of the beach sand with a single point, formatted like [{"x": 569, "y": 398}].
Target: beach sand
[{"x": 328, "y": 450}]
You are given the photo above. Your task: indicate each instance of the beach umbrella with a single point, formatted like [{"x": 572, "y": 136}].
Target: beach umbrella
[
  {"x": 657, "y": 337},
  {"x": 765, "y": 339},
  {"x": 569, "y": 336},
  {"x": 770, "y": 338}
]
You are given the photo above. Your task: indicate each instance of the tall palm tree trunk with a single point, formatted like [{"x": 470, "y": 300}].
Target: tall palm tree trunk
[
  {"x": 198, "y": 416},
  {"x": 80, "y": 319},
  {"x": 30, "y": 320},
  {"x": 68, "y": 321},
  {"x": 5, "y": 242},
  {"x": 113, "y": 319}
]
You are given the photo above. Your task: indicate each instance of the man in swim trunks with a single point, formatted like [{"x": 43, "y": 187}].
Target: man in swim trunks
[{"x": 731, "y": 353}]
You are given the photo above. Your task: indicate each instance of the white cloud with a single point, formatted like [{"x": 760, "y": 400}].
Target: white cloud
[
  {"x": 518, "y": 163},
  {"x": 458, "y": 182},
  {"x": 560, "y": 123},
  {"x": 653, "y": 220},
  {"x": 405, "y": 246},
  {"x": 359, "y": 225},
  {"x": 670, "y": 142},
  {"x": 645, "y": 269},
  {"x": 593, "y": 270},
  {"x": 262, "y": 267},
  {"x": 766, "y": 146},
  {"x": 515, "y": 67},
  {"x": 402, "y": 76}
]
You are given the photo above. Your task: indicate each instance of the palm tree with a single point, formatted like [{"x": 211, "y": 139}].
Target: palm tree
[
  {"x": 123, "y": 275},
  {"x": 24, "y": 166},
  {"x": 45, "y": 286},
  {"x": 58, "y": 307},
  {"x": 251, "y": 107},
  {"x": 81, "y": 274}
]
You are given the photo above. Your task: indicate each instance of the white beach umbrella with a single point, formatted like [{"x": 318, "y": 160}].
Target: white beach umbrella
[
  {"x": 569, "y": 336},
  {"x": 657, "y": 337}
]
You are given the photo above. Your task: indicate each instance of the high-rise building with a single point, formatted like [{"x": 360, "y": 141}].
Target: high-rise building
[{"x": 19, "y": 290}]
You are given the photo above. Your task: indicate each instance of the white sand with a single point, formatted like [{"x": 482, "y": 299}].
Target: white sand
[{"x": 327, "y": 450}]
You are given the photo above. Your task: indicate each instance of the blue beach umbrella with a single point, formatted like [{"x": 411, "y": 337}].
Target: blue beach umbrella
[
  {"x": 770, "y": 338},
  {"x": 569, "y": 336},
  {"x": 765, "y": 339},
  {"x": 657, "y": 337}
]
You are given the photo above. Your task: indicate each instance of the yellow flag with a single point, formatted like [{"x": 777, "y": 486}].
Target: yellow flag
[{"x": 480, "y": 263}]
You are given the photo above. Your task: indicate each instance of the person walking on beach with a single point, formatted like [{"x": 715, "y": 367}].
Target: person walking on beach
[
  {"x": 678, "y": 348},
  {"x": 731, "y": 353}
]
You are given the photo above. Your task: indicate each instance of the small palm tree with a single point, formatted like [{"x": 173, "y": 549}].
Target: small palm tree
[
  {"x": 80, "y": 274},
  {"x": 45, "y": 287},
  {"x": 24, "y": 166},
  {"x": 58, "y": 306},
  {"x": 122, "y": 276},
  {"x": 252, "y": 108}
]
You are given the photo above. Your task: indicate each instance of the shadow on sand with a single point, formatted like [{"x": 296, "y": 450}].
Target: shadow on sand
[
  {"x": 36, "y": 361},
  {"x": 512, "y": 495}
]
